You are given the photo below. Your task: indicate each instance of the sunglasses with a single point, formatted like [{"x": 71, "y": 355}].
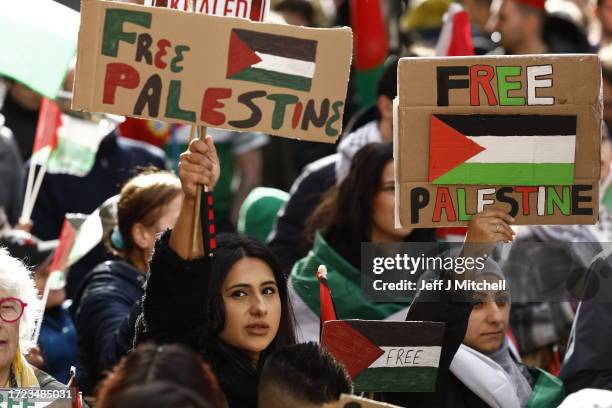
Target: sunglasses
[{"x": 11, "y": 309}]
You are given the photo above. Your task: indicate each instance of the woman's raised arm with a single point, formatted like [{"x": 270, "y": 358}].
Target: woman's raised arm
[{"x": 199, "y": 165}]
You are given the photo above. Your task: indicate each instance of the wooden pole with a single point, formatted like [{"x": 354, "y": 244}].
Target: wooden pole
[{"x": 197, "y": 241}]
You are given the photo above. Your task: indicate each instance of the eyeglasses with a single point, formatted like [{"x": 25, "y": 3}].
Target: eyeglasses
[{"x": 11, "y": 309}]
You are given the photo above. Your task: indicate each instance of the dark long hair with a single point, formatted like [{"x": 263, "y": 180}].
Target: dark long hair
[
  {"x": 234, "y": 368},
  {"x": 231, "y": 248},
  {"x": 345, "y": 213},
  {"x": 150, "y": 363}
]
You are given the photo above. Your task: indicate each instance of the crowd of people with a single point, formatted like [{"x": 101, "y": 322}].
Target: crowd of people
[{"x": 145, "y": 322}]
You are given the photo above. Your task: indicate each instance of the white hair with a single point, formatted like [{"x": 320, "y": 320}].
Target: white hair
[{"x": 16, "y": 281}]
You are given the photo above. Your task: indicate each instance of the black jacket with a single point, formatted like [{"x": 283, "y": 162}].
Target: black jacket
[
  {"x": 588, "y": 363},
  {"x": 175, "y": 310},
  {"x": 106, "y": 307},
  {"x": 288, "y": 240}
]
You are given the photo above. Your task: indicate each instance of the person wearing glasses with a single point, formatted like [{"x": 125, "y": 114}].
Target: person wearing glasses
[{"x": 19, "y": 305}]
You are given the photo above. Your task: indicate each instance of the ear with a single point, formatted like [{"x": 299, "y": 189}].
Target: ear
[
  {"x": 385, "y": 107},
  {"x": 141, "y": 236}
]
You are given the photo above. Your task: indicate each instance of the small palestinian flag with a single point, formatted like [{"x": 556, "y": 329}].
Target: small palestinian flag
[
  {"x": 522, "y": 150},
  {"x": 45, "y": 140},
  {"x": 328, "y": 310},
  {"x": 271, "y": 59},
  {"x": 386, "y": 356}
]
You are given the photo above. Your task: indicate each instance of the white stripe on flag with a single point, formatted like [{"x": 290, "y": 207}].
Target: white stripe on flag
[
  {"x": 285, "y": 65},
  {"x": 524, "y": 149},
  {"x": 412, "y": 356}
]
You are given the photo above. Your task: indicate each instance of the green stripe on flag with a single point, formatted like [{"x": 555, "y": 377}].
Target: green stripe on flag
[
  {"x": 263, "y": 76},
  {"x": 392, "y": 379},
  {"x": 520, "y": 174}
]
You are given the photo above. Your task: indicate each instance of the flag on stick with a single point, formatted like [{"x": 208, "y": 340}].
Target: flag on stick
[
  {"x": 328, "y": 310},
  {"x": 45, "y": 140}
]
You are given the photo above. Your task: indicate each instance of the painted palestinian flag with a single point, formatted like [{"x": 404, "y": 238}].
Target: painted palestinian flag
[
  {"x": 386, "y": 356},
  {"x": 523, "y": 150},
  {"x": 271, "y": 59}
]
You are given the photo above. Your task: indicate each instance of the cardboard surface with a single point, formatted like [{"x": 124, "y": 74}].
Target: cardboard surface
[
  {"x": 254, "y": 10},
  {"x": 352, "y": 401},
  {"x": 213, "y": 71},
  {"x": 519, "y": 133},
  {"x": 386, "y": 356}
]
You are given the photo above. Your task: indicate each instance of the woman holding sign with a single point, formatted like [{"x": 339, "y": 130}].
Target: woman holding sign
[
  {"x": 477, "y": 367},
  {"x": 233, "y": 307}
]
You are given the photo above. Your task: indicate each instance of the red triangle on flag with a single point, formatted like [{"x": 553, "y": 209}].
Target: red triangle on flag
[
  {"x": 355, "y": 351},
  {"x": 448, "y": 148},
  {"x": 240, "y": 56}
]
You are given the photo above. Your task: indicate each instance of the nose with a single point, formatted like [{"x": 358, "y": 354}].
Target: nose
[
  {"x": 494, "y": 314},
  {"x": 259, "y": 306}
]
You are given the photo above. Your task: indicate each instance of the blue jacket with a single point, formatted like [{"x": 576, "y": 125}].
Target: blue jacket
[
  {"x": 118, "y": 159},
  {"x": 106, "y": 307},
  {"x": 58, "y": 343}
]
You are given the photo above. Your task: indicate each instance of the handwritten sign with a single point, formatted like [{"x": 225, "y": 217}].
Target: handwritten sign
[
  {"x": 191, "y": 68},
  {"x": 254, "y": 10},
  {"x": 386, "y": 356},
  {"x": 517, "y": 133}
]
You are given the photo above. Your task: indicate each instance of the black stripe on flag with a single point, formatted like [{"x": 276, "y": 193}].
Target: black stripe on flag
[
  {"x": 511, "y": 125},
  {"x": 279, "y": 45},
  {"x": 400, "y": 334}
]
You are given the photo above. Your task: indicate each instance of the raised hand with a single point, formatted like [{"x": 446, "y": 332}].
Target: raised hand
[
  {"x": 199, "y": 165},
  {"x": 490, "y": 227}
]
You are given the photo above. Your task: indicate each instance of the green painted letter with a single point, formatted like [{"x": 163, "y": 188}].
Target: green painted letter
[
  {"x": 113, "y": 28},
  {"x": 504, "y": 86},
  {"x": 172, "y": 104}
]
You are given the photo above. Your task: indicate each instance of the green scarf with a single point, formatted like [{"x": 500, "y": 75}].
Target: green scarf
[{"x": 344, "y": 281}]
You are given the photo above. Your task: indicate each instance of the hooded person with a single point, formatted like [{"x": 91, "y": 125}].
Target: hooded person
[{"x": 477, "y": 366}]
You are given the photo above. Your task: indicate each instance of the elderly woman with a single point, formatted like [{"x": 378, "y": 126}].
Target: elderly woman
[{"x": 19, "y": 305}]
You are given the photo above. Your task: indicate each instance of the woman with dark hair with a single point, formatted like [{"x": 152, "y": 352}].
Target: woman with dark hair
[
  {"x": 233, "y": 308},
  {"x": 159, "y": 394},
  {"x": 173, "y": 365},
  {"x": 148, "y": 204},
  {"x": 360, "y": 209}
]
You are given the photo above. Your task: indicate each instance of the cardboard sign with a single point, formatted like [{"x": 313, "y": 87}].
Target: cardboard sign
[
  {"x": 521, "y": 134},
  {"x": 191, "y": 68},
  {"x": 386, "y": 356},
  {"x": 352, "y": 401},
  {"x": 254, "y": 10}
]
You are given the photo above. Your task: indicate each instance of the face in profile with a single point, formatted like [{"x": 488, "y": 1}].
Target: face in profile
[
  {"x": 383, "y": 210},
  {"x": 489, "y": 318},
  {"x": 252, "y": 306}
]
